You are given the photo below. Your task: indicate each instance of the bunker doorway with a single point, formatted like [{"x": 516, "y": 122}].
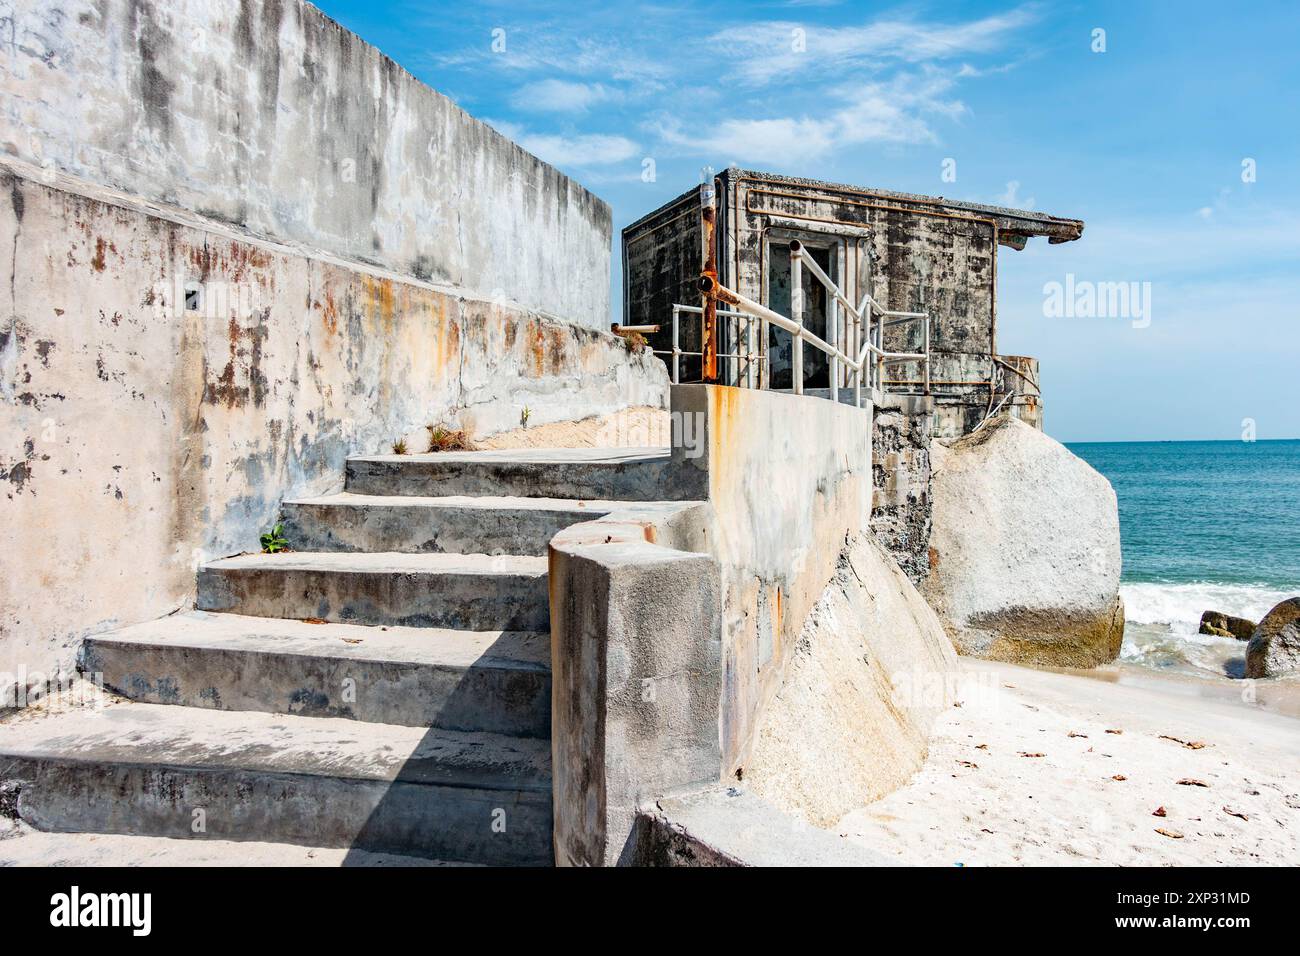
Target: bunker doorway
[{"x": 816, "y": 364}]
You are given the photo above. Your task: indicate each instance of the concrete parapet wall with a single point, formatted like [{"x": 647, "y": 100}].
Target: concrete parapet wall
[
  {"x": 732, "y": 827},
  {"x": 165, "y": 382},
  {"x": 788, "y": 477},
  {"x": 267, "y": 115},
  {"x": 670, "y": 629},
  {"x": 872, "y": 670}
]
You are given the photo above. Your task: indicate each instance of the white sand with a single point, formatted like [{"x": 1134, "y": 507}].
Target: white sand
[
  {"x": 989, "y": 805},
  {"x": 637, "y": 427}
]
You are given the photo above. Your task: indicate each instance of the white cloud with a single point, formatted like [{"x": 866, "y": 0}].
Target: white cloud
[
  {"x": 758, "y": 140},
  {"x": 1012, "y": 199},
  {"x": 880, "y": 113},
  {"x": 882, "y": 82},
  {"x": 579, "y": 149},
  {"x": 560, "y": 96},
  {"x": 765, "y": 51},
  {"x": 549, "y": 50},
  {"x": 1221, "y": 204}
]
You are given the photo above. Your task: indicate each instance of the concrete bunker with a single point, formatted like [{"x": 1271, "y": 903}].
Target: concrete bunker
[{"x": 910, "y": 252}]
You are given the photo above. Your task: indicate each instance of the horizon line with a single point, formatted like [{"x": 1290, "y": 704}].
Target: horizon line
[{"x": 1166, "y": 441}]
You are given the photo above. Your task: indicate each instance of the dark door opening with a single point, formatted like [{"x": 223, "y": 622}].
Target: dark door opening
[{"x": 816, "y": 363}]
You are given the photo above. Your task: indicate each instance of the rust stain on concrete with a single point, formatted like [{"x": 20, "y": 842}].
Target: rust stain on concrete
[
  {"x": 245, "y": 363},
  {"x": 381, "y": 303},
  {"x": 329, "y": 314}
]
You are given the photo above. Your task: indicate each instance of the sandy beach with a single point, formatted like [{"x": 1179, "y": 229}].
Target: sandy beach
[{"x": 1036, "y": 767}]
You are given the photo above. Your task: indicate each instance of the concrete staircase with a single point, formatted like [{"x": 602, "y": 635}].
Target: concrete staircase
[{"x": 385, "y": 687}]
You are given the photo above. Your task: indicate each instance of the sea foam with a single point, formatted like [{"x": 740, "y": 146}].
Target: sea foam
[{"x": 1180, "y": 606}]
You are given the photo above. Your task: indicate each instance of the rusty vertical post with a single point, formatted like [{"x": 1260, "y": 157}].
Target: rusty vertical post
[{"x": 709, "y": 323}]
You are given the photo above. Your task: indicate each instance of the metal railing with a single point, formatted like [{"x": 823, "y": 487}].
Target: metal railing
[
  {"x": 859, "y": 329},
  {"x": 751, "y": 356}
]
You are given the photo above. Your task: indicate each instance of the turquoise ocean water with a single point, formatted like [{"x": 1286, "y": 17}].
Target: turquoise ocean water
[{"x": 1205, "y": 524}]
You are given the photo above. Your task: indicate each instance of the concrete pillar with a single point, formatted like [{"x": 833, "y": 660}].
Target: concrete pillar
[{"x": 636, "y": 660}]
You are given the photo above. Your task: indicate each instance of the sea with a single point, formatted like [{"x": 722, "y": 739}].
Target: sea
[{"x": 1204, "y": 525}]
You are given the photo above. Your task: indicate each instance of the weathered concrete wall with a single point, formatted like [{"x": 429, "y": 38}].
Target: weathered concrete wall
[
  {"x": 910, "y": 253},
  {"x": 788, "y": 477},
  {"x": 911, "y": 260},
  {"x": 268, "y": 115},
  {"x": 139, "y": 436},
  {"x": 1006, "y": 384},
  {"x": 662, "y": 255},
  {"x": 900, "y": 512}
]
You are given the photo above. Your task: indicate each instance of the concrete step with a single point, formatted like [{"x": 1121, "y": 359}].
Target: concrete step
[
  {"x": 23, "y": 846},
  {"x": 457, "y": 524},
  {"x": 465, "y": 591},
  {"x": 493, "y": 681},
  {"x": 194, "y": 774},
  {"x": 616, "y": 474}
]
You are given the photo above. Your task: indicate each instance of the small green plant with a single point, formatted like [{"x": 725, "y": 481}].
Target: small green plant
[
  {"x": 273, "y": 541},
  {"x": 399, "y": 447},
  {"x": 442, "y": 438},
  {"x": 636, "y": 342},
  {"x": 526, "y": 414}
]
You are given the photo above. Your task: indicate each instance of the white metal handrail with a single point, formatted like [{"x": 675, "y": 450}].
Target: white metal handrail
[
  {"x": 856, "y": 321},
  {"x": 863, "y": 338}
]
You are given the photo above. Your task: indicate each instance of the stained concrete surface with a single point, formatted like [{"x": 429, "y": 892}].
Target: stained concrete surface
[
  {"x": 459, "y": 524},
  {"x": 637, "y": 474},
  {"x": 22, "y": 846},
  {"x": 467, "y": 591},
  {"x": 268, "y": 115},
  {"x": 180, "y": 430}
]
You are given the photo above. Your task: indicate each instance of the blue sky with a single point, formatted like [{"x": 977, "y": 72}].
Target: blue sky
[{"x": 1144, "y": 141}]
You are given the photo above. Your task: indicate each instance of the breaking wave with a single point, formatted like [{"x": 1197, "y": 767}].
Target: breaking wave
[
  {"x": 1161, "y": 622},
  {"x": 1180, "y": 606}
]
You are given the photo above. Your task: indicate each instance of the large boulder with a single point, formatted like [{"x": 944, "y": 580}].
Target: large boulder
[
  {"x": 1024, "y": 550},
  {"x": 1274, "y": 648},
  {"x": 870, "y": 672}
]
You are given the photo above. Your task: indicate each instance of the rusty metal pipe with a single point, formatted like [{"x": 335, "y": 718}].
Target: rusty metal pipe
[{"x": 709, "y": 327}]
